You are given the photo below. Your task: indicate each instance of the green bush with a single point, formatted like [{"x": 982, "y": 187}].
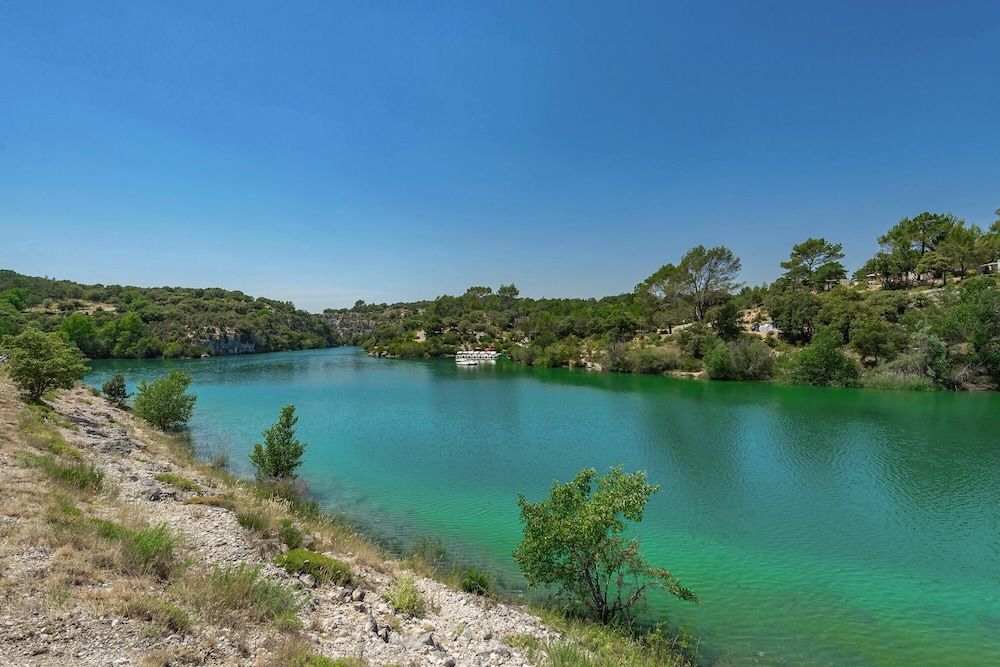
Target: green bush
[
  {"x": 323, "y": 568},
  {"x": 824, "y": 363},
  {"x": 114, "y": 390},
  {"x": 740, "y": 360},
  {"x": 477, "y": 582},
  {"x": 405, "y": 597},
  {"x": 290, "y": 536},
  {"x": 165, "y": 403},
  {"x": 575, "y": 537},
  {"x": 654, "y": 360},
  {"x": 281, "y": 453},
  {"x": 40, "y": 361},
  {"x": 697, "y": 340},
  {"x": 151, "y": 551}
]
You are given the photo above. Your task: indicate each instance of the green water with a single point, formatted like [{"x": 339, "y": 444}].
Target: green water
[{"x": 818, "y": 526}]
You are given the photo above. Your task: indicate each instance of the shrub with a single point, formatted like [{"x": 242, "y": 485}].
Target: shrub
[
  {"x": 740, "y": 360},
  {"x": 477, "y": 582},
  {"x": 884, "y": 378},
  {"x": 323, "y": 568},
  {"x": 233, "y": 591},
  {"x": 653, "y": 360},
  {"x": 151, "y": 551},
  {"x": 281, "y": 453},
  {"x": 114, "y": 390},
  {"x": 160, "y": 612},
  {"x": 697, "y": 340},
  {"x": 165, "y": 403},
  {"x": 574, "y": 540},
  {"x": 290, "y": 536},
  {"x": 182, "y": 483},
  {"x": 824, "y": 363},
  {"x": 405, "y": 597},
  {"x": 40, "y": 361}
]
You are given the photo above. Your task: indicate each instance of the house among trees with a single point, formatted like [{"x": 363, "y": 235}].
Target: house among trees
[{"x": 990, "y": 267}]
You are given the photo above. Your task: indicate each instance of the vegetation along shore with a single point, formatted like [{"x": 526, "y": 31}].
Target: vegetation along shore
[
  {"x": 922, "y": 313},
  {"x": 120, "y": 547}
]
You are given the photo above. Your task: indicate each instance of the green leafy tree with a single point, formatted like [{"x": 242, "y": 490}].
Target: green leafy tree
[
  {"x": 824, "y": 363},
  {"x": 707, "y": 277},
  {"x": 11, "y": 321},
  {"x": 793, "y": 312},
  {"x": 962, "y": 248},
  {"x": 281, "y": 453},
  {"x": 871, "y": 338},
  {"x": 725, "y": 320},
  {"x": 115, "y": 391},
  {"x": 164, "y": 402},
  {"x": 813, "y": 262},
  {"x": 576, "y": 540},
  {"x": 40, "y": 361},
  {"x": 934, "y": 263},
  {"x": 79, "y": 329}
]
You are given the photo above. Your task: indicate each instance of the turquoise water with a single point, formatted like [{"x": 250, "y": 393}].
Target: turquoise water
[{"x": 818, "y": 526}]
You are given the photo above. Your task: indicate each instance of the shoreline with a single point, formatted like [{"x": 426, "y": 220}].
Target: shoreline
[{"x": 79, "y": 609}]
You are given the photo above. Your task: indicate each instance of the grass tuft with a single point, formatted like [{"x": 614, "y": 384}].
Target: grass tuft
[
  {"x": 323, "y": 568},
  {"x": 405, "y": 597},
  {"x": 234, "y": 593},
  {"x": 182, "y": 483},
  {"x": 252, "y": 521},
  {"x": 82, "y": 476},
  {"x": 151, "y": 551},
  {"x": 477, "y": 582},
  {"x": 165, "y": 614}
]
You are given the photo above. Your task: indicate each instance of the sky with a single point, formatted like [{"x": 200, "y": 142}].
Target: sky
[{"x": 323, "y": 152}]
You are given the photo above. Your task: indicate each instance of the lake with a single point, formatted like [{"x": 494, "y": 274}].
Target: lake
[{"x": 818, "y": 526}]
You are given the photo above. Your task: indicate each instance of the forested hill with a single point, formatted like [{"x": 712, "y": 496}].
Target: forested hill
[{"x": 123, "y": 321}]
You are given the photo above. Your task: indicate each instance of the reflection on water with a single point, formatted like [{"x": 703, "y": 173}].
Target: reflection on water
[{"x": 817, "y": 525}]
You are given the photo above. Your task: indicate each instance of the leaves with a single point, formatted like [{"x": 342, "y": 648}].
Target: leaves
[{"x": 576, "y": 540}]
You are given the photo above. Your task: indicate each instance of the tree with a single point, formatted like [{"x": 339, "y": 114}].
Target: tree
[
  {"x": 793, "y": 312},
  {"x": 935, "y": 264},
  {"x": 922, "y": 232},
  {"x": 823, "y": 362},
  {"x": 813, "y": 262},
  {"x": 664, "y": 288},
  {"x": 961, "y": 248},
  {"x": 164, "y": 402},
  {"x": 114, "y": 390},
  {"x": 281, "y": 453},
  {"x": 707, "y": 277},
  {"x": 726, "y": 320},
  {"x": 576, "y": 540},
  {"x": 79, "y": 329},
  {"x": 871, "y": 338},
  {"x": 40, "y": 361}
]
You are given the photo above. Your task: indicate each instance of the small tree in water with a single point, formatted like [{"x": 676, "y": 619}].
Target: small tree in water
[
  {"x": 575, "y": 540},
  {"x": 281, "y": 453},
  {"x": 114, "y": 390}
]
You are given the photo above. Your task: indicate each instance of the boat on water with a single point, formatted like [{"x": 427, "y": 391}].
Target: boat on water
[{"x": 476, "y": 357}]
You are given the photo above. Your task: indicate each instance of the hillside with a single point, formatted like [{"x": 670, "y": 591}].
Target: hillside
[{"x": 125, "y": 321}]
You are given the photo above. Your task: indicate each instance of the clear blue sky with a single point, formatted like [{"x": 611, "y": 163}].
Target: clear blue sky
[{"x": 324, "y": 152}]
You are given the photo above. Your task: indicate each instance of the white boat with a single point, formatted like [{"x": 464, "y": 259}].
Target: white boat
[{"x": 476, "y": 357}]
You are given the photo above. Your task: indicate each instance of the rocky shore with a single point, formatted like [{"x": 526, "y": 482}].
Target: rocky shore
[{"x": 62, "y": 603}]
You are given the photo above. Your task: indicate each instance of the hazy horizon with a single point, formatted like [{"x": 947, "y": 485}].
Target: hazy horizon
[{"x": 327, "y": 153}]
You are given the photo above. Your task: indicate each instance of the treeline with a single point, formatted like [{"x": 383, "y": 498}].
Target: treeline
[
  {"x": 136, "y": 322},
  {"x": 919, "y": 314}
]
